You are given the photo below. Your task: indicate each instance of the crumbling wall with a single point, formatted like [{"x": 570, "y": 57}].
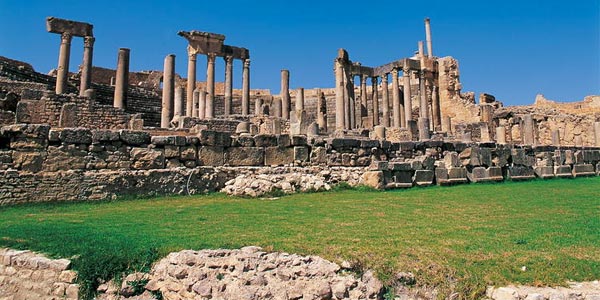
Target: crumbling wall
[{"x": 459, "y": 106}]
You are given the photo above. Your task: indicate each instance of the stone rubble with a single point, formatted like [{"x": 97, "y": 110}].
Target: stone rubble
[{"x": 575, "y": 290}]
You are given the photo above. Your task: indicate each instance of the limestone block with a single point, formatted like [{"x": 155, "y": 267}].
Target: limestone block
[
  {"x": 495, "y": 173},
  {"x": 211, "y": 156},
  {"x": 544, "y": 171},
  {"x": 188, "y": 153},
  {"x": 477, "y": 174},
  {"x": 378, "y": 165},
  {"x": 298, "y": 140},
  {"x": 171, "y": 151},
  {"x": 301, "y": 153},
  {"x": 169, "y": 140},
  {"x": 520, "y": 172},
  {"x": 340, "y": 144},
  {"x": 265, "y": 140},
  {"x": 582, "y": 170},
  {"x": 457, "y": 175},
  {"x": 23, "y": 136},
  {"x": 245, "y": 156},
  {"x": 99, "y": 136},
  {"x": 563, "y": 171},
  {"x": 401, "y": 179},
  {"x": 29, "y": 161},
  {"x": 423, "y": 177},
  {"x": 145, "y": 159},
  {"x": 451, "y": 160},
  {"x": 373, "y": 179},
  {"x": 76, "y": 136},
  {"x": 284, "y": 140},
  {"x": 369, "y": 143},
  {"x": 244, "y": 141},
  {"x": 276, "y": 156},
  {"x": 318, "y": 155},
  {"x": 500, "y": 156},
  {"x": 400, "y": 166},
  {"x": 68, "y": 276},
  {"x": 214, "y": 138},
  {"x": 134, "y": 138}
]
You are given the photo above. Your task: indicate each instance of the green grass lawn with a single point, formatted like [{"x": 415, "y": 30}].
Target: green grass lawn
[{"x": 478, "y": 234}]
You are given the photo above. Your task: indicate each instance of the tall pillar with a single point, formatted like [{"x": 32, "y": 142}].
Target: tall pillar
[
  {"x": 339, "y": 94},
  {"x": 191, "y": 81},
  {"x": 352, "y": 102},
  {"x": 86, "y": 70},
  {"x": 258, "y": 102},
  {"x": 347, "y": 102},
  {"x": 122, "y": 80},
  {"x": 421, "y": 51},
  {"x": 597, "y": 134},
  {"x": 428, "y": 38},
  {"x": 300, "y": 100},
  {"x": 63, "y": 63},
  {"x": 321, "y": 111},
  {"x": 435, "y": 107},
  {"x": 178, "y": 111},
  {"x": 246, "y": 88},
  {"x": 501, "y": 135},
  {"x": 528, "y": 131},
  {"x": 228, "y": 84},
  {"x": 195, "y": 103},
  {"x": 363, "y": 97},
  {"x": 396, "y": 100},
  {"x": 385, "y": 100},
  {"x": 276, "y": 107},
  {"x": 374, "y": 85},
  {"x": 447, "y": 124},
  {"x": 210, "y": 86},
  {"x": 285, "y": 94},
  {"x": 201, "y": 104},
  {"x": 423, "y": 105},
  {"x": 407, "y": 97},
  {"x": 168, "y": 91},
  {"x": 555, "y": 138}
]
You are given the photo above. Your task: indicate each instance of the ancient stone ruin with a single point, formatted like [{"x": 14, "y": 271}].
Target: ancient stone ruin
[{"x": 104, "y": 133}]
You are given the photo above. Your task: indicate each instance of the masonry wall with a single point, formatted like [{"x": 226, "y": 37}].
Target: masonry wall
[{"x": 27, "y": 275}]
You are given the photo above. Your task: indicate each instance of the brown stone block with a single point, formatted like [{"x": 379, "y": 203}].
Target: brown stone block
[
  {"x": 275, "y": 156},
  {"x": 144, "y": 159},
  {"x": 211, "y": 156},
  {"x": 245, "y": 156},
  {"x": 28, "y": 161},
  {"x": 301, "y": 153}
]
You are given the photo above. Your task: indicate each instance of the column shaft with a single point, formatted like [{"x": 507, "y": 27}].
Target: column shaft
[
  {"x": 191, "y": 82},
  {"x": 347, "y": 102},
  {"x": 195, "y": 103},
  {"x": 423, "y": 106},
  {"x": 407, "y": 98},
  {"x": 285, "y": 94},
  {"x": 375, "y": 100},
  {"x": 385, "y": 100},
  {"x": 246, "y": 88},
  {"x": 428, "y": 38},
  {"x": 339, "y": 95},
  {"x": 168, "y": 91},
  {"x": 86, "y": 66},
  {"x": 210, "y": 86},
  {"x": 228, "y": 84},
  {"x": 202, "y": 104},
  {"x": 363, "y": 97},
  {"x": 178, "y": 111},
  {"x": 300, "y": 100},
  {"x": 435, "y": 103},
  {"x": 62, "y": 73},
  {"x": 396, "y": 100},
  {"x": 122, "y": 79}
]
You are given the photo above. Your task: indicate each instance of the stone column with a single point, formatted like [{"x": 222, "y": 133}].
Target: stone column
[
  {"x": 321, "y": 111},
  {"x": 352, "y": 102},
  {"x": 62, "y": 72},
  {"x": 210, "y": 86},
  {"x": 421, "y": 52},
  {"x": 555, "y": 138},
  {"x": 501, "y": 135},
  {"x": 363, "y": 97},
  {"x": 285, "y": 94},
  {"x": 168, "y": 91},
  {"x": 423, "y": 105},
  {"x": 435, "y": 105},
  {"x": 86, "y": 66},
  {"x": 300, "y": 100},
  {"x": 528, "y": 134},
  {"x": 195, "y": 98},
  {"x": 178, "y": 111},
  {"x": 447, "y": 124},
  {"x": 191, "y": 81},
  {"x": 396, "y": 100},
  {"x": 407, "y": 98},
  {"x": 428, "y": 38},
  {"x": 347, "y": 102},
  {"x": 276, "y": 107},
  {"x": 374, "y": 85},
  {"x": 201, "y": 104},
  {"x": 122, "y": 80},
  {"x": 228, "y": 84},
  {"x": 246, "y": 88},
  {"x": 385, "y": 100},
  {"x": 258, "y": 102},
  {"x": 597, "y": 134},
  {"x": 339, "y": 94}
]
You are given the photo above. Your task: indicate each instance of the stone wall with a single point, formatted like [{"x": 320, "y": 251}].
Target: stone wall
[{"x": 27, "y": 275}]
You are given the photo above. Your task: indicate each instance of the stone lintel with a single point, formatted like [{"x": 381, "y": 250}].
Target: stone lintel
[
  {"x": 398, "y": 64},
  {"x": 206, "y": 43},
  {"x": 57, "y": 25},
  {"x": 235, "y": 52},
  {"x": 357, "y": 70}
]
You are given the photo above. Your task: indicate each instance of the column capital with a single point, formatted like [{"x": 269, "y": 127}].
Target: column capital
[
  {"x": 192, "y": 52},
  {"x": 385, "y": 77},
  {"x": 66, "y": 37},
  {"x": 246, "y": 63},
  {"x": 374, "y": 80},
  {"x": 406, "y": 71},
  {"x": 228, "y": 59},
  {"x": 395, "y": 72},
  {"x": 211, "y": 57},
  {"x": 88, "y": 41}
]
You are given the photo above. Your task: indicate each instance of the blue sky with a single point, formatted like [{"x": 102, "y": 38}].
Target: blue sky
[{"x": 511, "y": 49}]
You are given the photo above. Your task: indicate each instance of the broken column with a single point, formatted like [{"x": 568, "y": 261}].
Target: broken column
[
  {"x": 363, "y": 97},
  {"x": 321, "y": 111},
  {"x": 168, "y": 91},
  {"x": 407, "y": 98},
  {"x": 435, "y": 107},
  {"x": 201, "y": 104},
  {"x": 195, "y": 99},
  {"x": 428, "y": 38},
  {"x": 86, "y": 66},
  {"x": 122, "y": 80},
  {"x": 228, "y": 84},
  {"x": 276, "y": 107},
  {"x": 501, "y": 135},
  {"x": 246, "y": 88},
  {"x": 555, "y": 138},
  {"x": 397, "y": 111},
  {"x": 191, "y": 80},
  {"x": 528, "y": 130},
  {"x": 385, "y": 100},
  {"x": 257, "y": 106},
  {"x": 300, "y": 100},
  {"x": 62, "y": 73},
  {"x": 597, "y": 134},
  {"x": 210, "y": 86},
  {"x": 285, "y": 94},
  {"x": 447, "y": 124},
  {"x": 375, "y": 101},
  {"x": 423, "y": 109},
  {"x": 178, "y": 110}
]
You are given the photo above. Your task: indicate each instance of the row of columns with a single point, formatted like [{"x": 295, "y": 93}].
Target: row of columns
[{"x": 64, "y": 55}]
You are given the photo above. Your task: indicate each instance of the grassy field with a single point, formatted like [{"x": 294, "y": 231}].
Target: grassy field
[{"x": 476, "y": 234}]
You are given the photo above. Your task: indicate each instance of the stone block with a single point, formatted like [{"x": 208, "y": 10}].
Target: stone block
[
  {"x": 344, "y": 143},
  {"x": 423, "y": 177},
  {"x": 477, "y": 174},
  {"x": 244, "y": 141},
  {"x": 299, "y": 140},
  {"x": 583, "y": 170},
  {"x": 145, "y": 159},
  {"x": 188, "y": 153},
  {"x": 495, "y": 173},
  {"x": 284, "y": 140},
  {"x": 500, "y": 157},
  {"x": 214, "y": 138},
  {"x": 400, "y": 166},
  {"x": 245, "y": 156},
  {"x": 563, "y": 171},
  {"x": 277, "y": 156},
  {"x": 374, "y": 179},
  {"x": 174, "y": 140},
  {"x": 101, "y": 136},
  {"x": 451, "y": 160},
  {"x": 520, "y": 172},
  {"x": 378, "y": 165},
  {"x": 318, "y": 155},
  {"x": 76, "y": 136},
  {"x": 369, "y": 144},
  {"x": 453, "y": 175},
  {"x": 400, "y": 179},
  {"x": 135, "y": 138},
  {"x": 211, "y": 156},
  {"x": 29, "y": 161},
  {"x": 544, "y": 171},
  {"x": 301, "y": 153},
  {"x": 265, "y": 140},
  {"x": 171, "y": 151}
]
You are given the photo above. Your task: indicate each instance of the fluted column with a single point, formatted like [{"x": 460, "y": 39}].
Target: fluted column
[
  {"x": 385, "y": 100},
  {"x": 363, "y": 97},
  {"x": 285, "y": 94},
  {"x": 396, "y": 100},
  {"x": 228, "y": 84},
  {"x": 246, "y": 88},
  {"x": 407, "y": 98},
  {"x": 86, "y": 66},
  {"x": 122, "y": 79},
  {"x": 168, "y": 91},
  {"x": 191, "y": 81},
  {"x": 62, "y": 73},
  {"x": 210, "y": 86},
  {"x": 339, "y": 95},
  {"x": 374, "y": 85}
]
